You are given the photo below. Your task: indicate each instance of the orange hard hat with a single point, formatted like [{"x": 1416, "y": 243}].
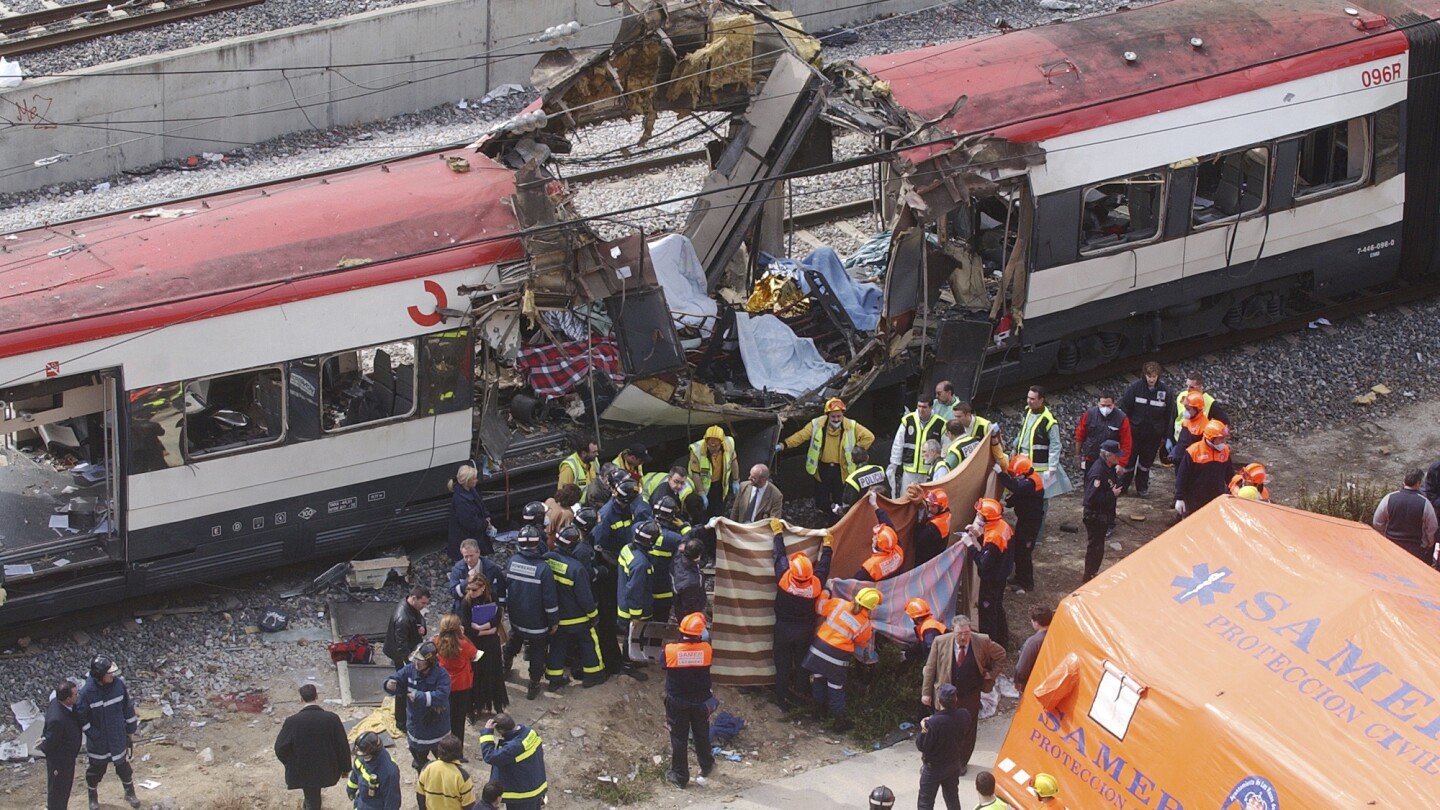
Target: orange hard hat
[
  {"x": 1020, "y": 464},
  {"x": 884, "y": 538},
  {"x": 1255, "y": 473},
  {"x": 917, "y": 608},
  {"x": 1215, "y": 429},
  {"x": 693, "y": 625},
  {"x": 834, "y": 404},
  {"x": 1195, "y": 400},
  {"x": 800, "y": 566},
  {"x": 937, "y": 499},
  {"x": 989, "y": 508}
]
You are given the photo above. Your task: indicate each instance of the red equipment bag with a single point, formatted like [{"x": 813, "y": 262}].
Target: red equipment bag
[{"x": 354, "y": 650}]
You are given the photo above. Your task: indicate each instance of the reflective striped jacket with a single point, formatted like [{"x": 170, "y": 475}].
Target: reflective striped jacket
[
  {"x": 108, "y": 718},
  {"x": 516, "y": 761}
]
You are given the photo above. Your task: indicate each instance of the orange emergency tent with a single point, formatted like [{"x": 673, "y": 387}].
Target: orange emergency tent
[{"x": 1254, "y": 657}]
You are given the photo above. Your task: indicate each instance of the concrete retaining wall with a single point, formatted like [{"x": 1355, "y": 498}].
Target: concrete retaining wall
[{"x": 213, "y": 98}]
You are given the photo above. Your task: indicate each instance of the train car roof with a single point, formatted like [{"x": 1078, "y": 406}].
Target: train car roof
[
  {"x": 1051, "y": 80},
  {"x": 253, "y": 247}
]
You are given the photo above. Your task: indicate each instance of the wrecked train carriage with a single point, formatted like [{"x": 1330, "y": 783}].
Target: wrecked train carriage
[{"x": 1107, "y": 186}]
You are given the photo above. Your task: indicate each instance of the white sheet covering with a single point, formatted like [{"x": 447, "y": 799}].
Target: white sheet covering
[
  {"x": 777, "y": 359},
  {"x": 678, "y": 269}
]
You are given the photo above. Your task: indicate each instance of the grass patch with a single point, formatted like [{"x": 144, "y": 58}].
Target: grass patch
[
  {"x": 1349, "y": 499},
  {"x": 879, "y": 697},
  {"x": 230, "y": 803},
  {"x": 637, "y": 785}
]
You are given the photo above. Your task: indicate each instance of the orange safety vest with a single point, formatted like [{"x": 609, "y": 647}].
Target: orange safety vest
[
  {"x": 842, "y": 629},
  {"x": 999, "y": 533},
  {"x": 942, "y": 524},
  {"x": 882, "y": 565},
  {"x": 1238, "y": 482},
  {"x": 1202, "y": 453},
  {"x": 688, "y": 654},
  {"x": 930, "y": 623},
  {"x": 806, "y": 590},
  {"x": 1197, "y": 425}
]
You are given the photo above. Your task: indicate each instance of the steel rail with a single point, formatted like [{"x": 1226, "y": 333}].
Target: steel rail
[{"x": 36, "y": 31}]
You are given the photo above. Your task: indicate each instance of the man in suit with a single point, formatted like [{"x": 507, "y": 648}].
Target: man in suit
[
  {"x": 61, "y": 745},
  {"x": 313, "y": 747},
  {"x": 758, "y": 499},
  {"x": 971, "y": 662}
]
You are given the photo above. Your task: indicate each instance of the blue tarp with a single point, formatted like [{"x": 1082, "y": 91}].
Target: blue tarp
[{"x": 861, "y": 301}]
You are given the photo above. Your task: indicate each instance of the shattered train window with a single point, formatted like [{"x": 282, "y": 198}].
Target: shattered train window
[
  {"x": 1122, "y": 212},
  {"x": 1229, "y": 185},
  {"x": 232, "y": 411},
  {"x": 1333, "y": 157},
  {"x": 367, "y": 385}
]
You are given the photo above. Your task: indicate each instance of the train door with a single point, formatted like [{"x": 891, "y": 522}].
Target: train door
[
  {"x": 1227, "y": 203},
  {"x": 59, "y": 468}
]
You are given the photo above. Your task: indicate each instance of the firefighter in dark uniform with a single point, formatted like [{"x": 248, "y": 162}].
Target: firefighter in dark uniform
[
  {"x": 662, "y": 556},
  {"x": 533, "y": 604},
  {"x": 865, "y": 478},
  {"x": 613, "y": 531},
  {"x": 689, "y": 700},
  {"x": 108, "y": 719},
  {"x": 633, "y": 591},
  {"x": 799, "y": 584},
  {"x": 578, "y": 615},
  {"x": 374, "y": 782}
]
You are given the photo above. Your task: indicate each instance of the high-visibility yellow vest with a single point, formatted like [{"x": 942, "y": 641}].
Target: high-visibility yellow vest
[
  {"x": 817, "y": 438},
  {"x": 914, "y": 435},
  {"x": 700, "y": 455}
]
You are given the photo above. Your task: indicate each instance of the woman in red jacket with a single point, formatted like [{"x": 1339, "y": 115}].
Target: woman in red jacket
[{"x": 456, "y": 654}]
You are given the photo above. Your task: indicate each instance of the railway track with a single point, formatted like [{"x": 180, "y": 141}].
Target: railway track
[{"x": 77, "y": 22}]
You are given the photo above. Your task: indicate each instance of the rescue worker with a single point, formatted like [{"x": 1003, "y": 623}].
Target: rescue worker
[
  {"x": 1102, "y": 487},
  {"x": 886, "y": 557},
  {"x": 907, "y": 463},
  {"x": 689, "y": 700},
  {"x": 108, "y": 721},
  {"x": 444, "y": 785},
  {"x": 676, "y": 484},
  {"x": 605, "y": 567},
  {"x": 1039, "y": 439},
  {"x": 1027, "y": 499},
  {"x": 533, "y": 604},
  {"x": 971, "y": 434},
  {"x": 844, "y": 626},
  {"x": 673, "y": 531},
  {"x": 715, "y": 469},
  {"x": 618, "y": 517},
  {"x": 687, "y": 580},
  {"x": 535, "y": 514},
  {"x": 1204, "y": 470},
  {"x": 799, "y": 584},
  {"x": 930, "y": 454},
  {"x": 1405, "y": 516},
  {"x": 932, "y": 527},
  {"x": 424, "y": 686},
  {"x": 1101, "y": 423},
  {"x": 634, "y": 592},
  {"x": 516, "y": 756},
  {"x": 580, "y": 467},
  {"x": 829, "y": 439},
  {"x": 374, "y": 782},
  {"x": 882, "y": 798},
  {"x": 989, "y": 540},
  {"x": 633, "y": 460},
  {"x": 944, "y": 402},
  {"x": 1252, "y": 475},
  {"x": 578, "y": 614},
  {"x": 1194, "y": 384},
  {"x": 1046, "y": 789},
  {"x": 985, "y": 792},
  {"x": 1192, "y": 424},
  {"x": 927, "y": 627},
  {"x": 1147, "y": 402},
  {"x": 863, "y": 479}
]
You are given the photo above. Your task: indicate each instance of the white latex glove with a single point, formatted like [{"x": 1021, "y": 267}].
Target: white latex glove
[
  {"x": 710, "y": 524},
  {"x": 779, "y": 447},
  {"x": 998, "y": 469},
  {"x": 1180, "y": 507},
  {"x": 872, "y": 497}
]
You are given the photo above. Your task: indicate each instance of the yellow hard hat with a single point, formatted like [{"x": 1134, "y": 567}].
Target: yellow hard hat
[
  {"x": 834, "y": 404},
  {"x": 1249, "y": 493},
  {"x": 1045, "y": 786},
  {"x": 868, "y": 598},
  {"x": 714, "y": 432}
]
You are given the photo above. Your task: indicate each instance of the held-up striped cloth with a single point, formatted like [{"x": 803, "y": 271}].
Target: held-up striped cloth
[{"x": 744, "y": 602}]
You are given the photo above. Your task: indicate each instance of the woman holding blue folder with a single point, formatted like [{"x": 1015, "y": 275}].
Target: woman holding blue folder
[{"x": 481, "y": 614}]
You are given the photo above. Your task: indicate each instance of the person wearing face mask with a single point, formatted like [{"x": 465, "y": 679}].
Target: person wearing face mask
[
  {"x": 1102, "y": 423},
  {"x": 830, "y": 440},
  {"x": 1209, "y": 409},
  {"x": 1192, "y": 425},
  {"x": 1204, "y": 470}
]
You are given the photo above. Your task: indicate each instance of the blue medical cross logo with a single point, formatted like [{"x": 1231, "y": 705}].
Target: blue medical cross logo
[{"x": 1202, "y": 585}]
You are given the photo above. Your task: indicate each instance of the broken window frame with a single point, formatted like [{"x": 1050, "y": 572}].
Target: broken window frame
[
  {"x": 1160, "y": 176},
  {"x": 1243, "y": 155},
  {"x": 1361, "y": 125},
  {"x": 187, "y": 446},
  {"x": 156, "y": 409},
  {"x": 359, "y": 354}
]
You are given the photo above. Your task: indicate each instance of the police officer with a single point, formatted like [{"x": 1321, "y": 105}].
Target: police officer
[
  {"x": 374, "y": 782},
  {"x": 1102, "y": 487},
  {"x": 578, "y": 615},
  {"x": 863, "y": 479},
  {"x": 424, "y": 686},
  {"x": 108, "y": 719},
  {"x": 689, "y": 700},
  {"x": 799, "y": 583},
  {"x": 907, "y": 464},
  {"x": 533, "y": 605}
]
